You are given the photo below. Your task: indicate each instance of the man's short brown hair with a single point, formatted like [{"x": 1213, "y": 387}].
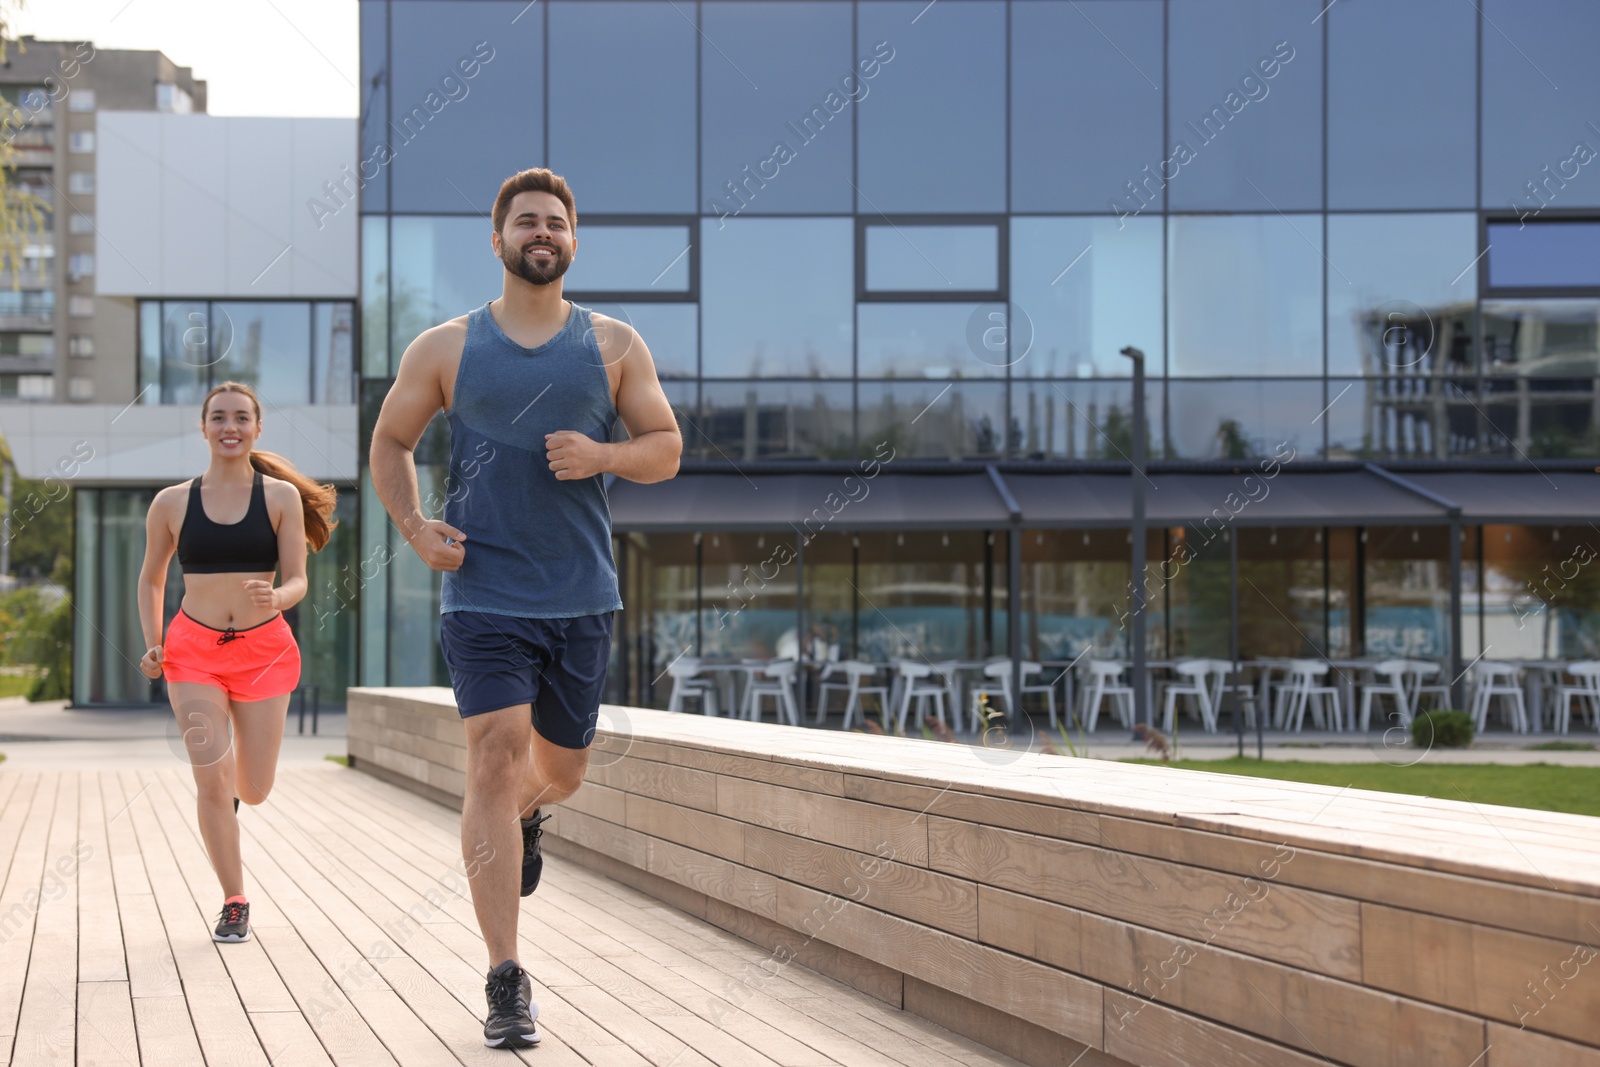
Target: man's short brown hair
[{"x": 533, "y": 180}]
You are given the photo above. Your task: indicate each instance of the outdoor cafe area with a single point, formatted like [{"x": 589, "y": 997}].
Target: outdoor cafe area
[{"x": 1269, "y": 608}]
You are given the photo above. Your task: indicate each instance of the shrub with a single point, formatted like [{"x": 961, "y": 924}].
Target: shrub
[{"x": 1446, "y": 728}]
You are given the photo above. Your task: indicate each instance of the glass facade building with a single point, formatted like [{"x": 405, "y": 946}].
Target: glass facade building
[{"x": 845, "y": 225}]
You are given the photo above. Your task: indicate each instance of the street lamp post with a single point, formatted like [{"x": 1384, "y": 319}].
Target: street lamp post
[{"x": 1136, "y": 585}]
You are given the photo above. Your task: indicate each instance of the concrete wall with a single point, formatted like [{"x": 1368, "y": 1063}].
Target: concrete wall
[{"x": 204, "y": 206}]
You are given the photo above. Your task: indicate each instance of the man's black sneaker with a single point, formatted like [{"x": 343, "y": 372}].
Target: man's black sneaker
[
  {"x": 234, "y": 923},
  {"x": 511, "y": 1010},
  {"x": 532, "y": 858}
]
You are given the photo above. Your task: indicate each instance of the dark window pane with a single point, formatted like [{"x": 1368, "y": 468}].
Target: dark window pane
[
  {"x": 1244, "y": 295},
  {"x": 933, "y": 420},
  {"x": 771, "y": 420},
  {"x": 467, "y": 101},
  {"x": 1407, "y": 587},
  {"x": 1541, "y": 337},
  {"x": 1245, "y": 91},
  {"x": 778, "y": 295},
  {"x": 940, "y": 98},
  {"x": 1401, "y": 293},
  {"x": 616, "y": 259},
  {"x": 934, "y": 259},
  {"x": 186, "y": 354},
  {"x": 443, "y": 267},
  {"x": 683, "y": 396},
  {"x": 755, "y": 97},
  {"x": 1242, "y": 419},
  {"x": 670, "y": 331},
  {"x": 1087, "y": 288},
  {"x": 932, "y": 340},
  {"x": 922, "y": 595},
  {"x": 1081, "y": 419},
  {"x": 1403, "y": 416},
  {"x": 375, "y": 297},
  {"x": 1537, "y": 418},
  {"x": 150, "y": 352},
  {"x": 1540, "y": 82},
  {"x": 1544, "y": 254},
  {"x": 624, "y": 139},
  {"x": 333, "y": 358},
  {"x": 1422, "y": 154},
  {"x": 1068, "y": 158},
  {"x": 374, "y": 103},
  {"x": 266, "y": 346}
]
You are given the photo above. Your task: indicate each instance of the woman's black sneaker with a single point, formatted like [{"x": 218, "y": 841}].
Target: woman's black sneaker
[
  {"x": 234, "y": 923},
  {"x": 532, "y": 858},
  {"x": 511, "y": 1010}
]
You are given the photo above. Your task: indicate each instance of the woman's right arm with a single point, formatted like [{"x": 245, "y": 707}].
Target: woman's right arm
[{"x": 159, "y": 546}]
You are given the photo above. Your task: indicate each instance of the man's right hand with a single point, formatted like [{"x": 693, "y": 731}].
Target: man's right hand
[{"x": 429, "y": 538}]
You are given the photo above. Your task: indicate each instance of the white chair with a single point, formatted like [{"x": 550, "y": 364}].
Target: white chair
[
  {"x": 918, "y": 683},
  {"x": 1108, "y": 682},
  {"x": 949, "y": 671},
  {"x": 1218, "y": 671},
  {"x": 688, "y": 683},
  {"x": 1393, "y": 672},
  {"x": 1502, "y": 680},
  {"x": 1587, "y": 691},
  {"x": 1416, "y": 671},
  {"x": 855, "y": 671},
  {"x": 775, "y": 679},
  {"x": 1198, "y": 688},
  {"x": 1302, "y": 691},
  {"x": 1000, "y": 671}
]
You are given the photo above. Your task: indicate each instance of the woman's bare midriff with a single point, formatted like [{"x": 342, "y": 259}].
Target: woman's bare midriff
[{"x": 221, "y": 600}]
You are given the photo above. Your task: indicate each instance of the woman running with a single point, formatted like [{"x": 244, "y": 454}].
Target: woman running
[{"x": 229, "y": 656}]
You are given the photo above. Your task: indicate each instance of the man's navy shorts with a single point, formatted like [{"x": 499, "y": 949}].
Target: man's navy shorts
[{"x": 556, "y": 665}]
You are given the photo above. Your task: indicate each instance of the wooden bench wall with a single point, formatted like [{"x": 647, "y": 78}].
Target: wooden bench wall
[{"x": 1080, "y": 911}]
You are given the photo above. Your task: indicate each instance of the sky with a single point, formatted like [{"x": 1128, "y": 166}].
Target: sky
[{"x": 258, "y": 57}]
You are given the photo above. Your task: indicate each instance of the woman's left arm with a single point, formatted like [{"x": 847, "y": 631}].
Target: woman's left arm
[{"x": 285, "y": 499}]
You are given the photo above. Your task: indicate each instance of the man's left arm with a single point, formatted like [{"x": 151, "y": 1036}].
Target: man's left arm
[{"x": 654, "y": 443}]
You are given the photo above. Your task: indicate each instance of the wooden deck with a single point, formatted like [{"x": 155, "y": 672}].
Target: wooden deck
[{"x": 364, "y": 953}]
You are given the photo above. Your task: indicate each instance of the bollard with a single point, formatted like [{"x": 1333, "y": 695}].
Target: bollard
[
  {"x": 301, "y": 693},
  {"x": 316, "y": 706}
]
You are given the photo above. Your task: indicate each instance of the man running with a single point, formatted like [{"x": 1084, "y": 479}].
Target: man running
[{"x": 532, "y": 384}]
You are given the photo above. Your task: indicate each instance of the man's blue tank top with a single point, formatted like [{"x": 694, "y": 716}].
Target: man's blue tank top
[{"x": 536, "y": 547}]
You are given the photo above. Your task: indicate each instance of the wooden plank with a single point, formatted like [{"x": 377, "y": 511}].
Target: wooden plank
[
  {"x": 100, "y": 956},
  {"x": 1165, "y": 1038},
  {"x": 287, "y": 1039},
  {"x": 48, "y": 1015},
  {"x": 1510, "y": 1046},
  {"x": 1017, "y": 1039},
  {"x": 166, "y": 1035},
  {"x": 663, "y": 781},
  {"x": 1295, "y": 926},
  {"x": 340, "y": 1027},
  {"x": 19, "y": 900},
  {"x": 848, "y": 823},
  {"x": 1531, "y": 982},
  {"x": 106, "y": 1036}
]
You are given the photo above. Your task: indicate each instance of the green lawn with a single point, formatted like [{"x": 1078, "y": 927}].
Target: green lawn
[
  {"x": 1537, "y": 785},
  {"x": 15, "y": 685}
]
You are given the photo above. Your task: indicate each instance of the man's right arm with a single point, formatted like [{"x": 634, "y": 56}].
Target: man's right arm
[{"x": 416, "y": 396}]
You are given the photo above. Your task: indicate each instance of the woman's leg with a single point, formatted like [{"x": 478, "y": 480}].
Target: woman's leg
[
  {"x": 257, "y": 738},
  {"x": 202, "y": 712}
]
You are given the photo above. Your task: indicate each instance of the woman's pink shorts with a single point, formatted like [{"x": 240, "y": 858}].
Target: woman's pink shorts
[{"x": 255, "y": 663}]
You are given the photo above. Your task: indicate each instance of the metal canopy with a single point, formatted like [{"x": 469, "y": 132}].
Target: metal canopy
[{"x": 1517, "y": 497}]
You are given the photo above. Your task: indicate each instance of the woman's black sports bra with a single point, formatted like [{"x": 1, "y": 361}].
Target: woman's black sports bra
[{"x": 206, "y": 547}]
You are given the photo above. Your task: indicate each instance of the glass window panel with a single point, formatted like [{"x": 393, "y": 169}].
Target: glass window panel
[
  {"x": 86, "y": 644},
  {"x": 659, "y": 620},
  {"x": 186, "y": 352},
  {"x": 444, "y": 267},
  {"x": 933, "y": 258},
  {"x": 831, "y": 603},
  {"x": 1540, "y": 254},
  {"x": 756, "y": 98},
  {"x": 150, "y": 351},
  {"x": 333, "y": 368},
  {"x": 930, "y": 420},
  {"x": 336, "y": 580},
  {"x": 413, "y": 617},
  {"x": 1402, "y": 417},
  {"x": 1081, "y": 419},
  {"x": 742, "y": 612},
  {"x": 615, "y": 259},
  {"x": 625, "y": 141},
  {"x": 1088, "y": 288},
  {"x": 935, "y": 340},
  {"x": 1407, "y": 592},
  {"x": 1281, "y": 601},
  {"x": 1541, "y": 337},
  {"x": 751, "y": 273},
  {"x": 1074, "y": 593},
  {"x": 1245, "y": 93},
  {"x": 1540, "y": 82},
  {"x": 467, "y": 101},
  {"x": 684, "y": 396},
  {"x": 266, "y": 346},
  {"x": 376, "y": 543},
  {"x": 922, "y": 595},
  {"x": 374, "y": 102},
  {"x": 1244, "y": 294},
  {"x": 1424, "y": 154},
  {"x": 375, "y": 297},
  {"x": 1401, "y": 294},
  {"x": 1540, "y": 600},
  {"x": 1241, "y": 419},
  {"x": 1535, "y": 418},
  {"x": 775, "y": 420},
  {"x": 1108, "y": 51},
  {"x": 918, "y": 103},
  {"x": 670, "y": 331}
]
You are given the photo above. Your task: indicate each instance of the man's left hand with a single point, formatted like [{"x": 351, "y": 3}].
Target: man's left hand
[{"x": 574, "y": 455}]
